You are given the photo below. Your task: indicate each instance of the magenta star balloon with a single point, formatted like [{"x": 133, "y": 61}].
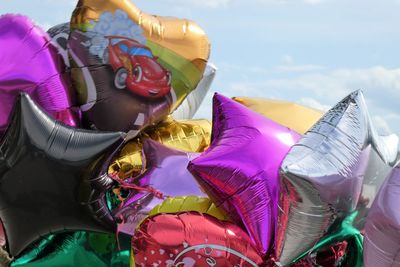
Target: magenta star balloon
[
  {"x": 30, "y": 64},
  {"x": 240, "y": 169},
  {"x": 166, "y": 175}
]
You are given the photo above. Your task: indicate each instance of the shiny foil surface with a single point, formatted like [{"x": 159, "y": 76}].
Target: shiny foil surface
[
  {"x": 76, "y": 249},
  {"x": 42, "y": 189},
  {"x": 240, "y": 169},
  {"x": 189, "y": 203},
  {"x": 166, "y": 176},
  {"x": 185, "y": 135},
  {"x": 382, "y": 230},
  {"x": 295, "y": 116},
  {"x": 335, "y": 169},
  {"x": 192, "y": 102},
  {"x": 192, "y": 239},
  {"x": 131, "y": 69},
  {"x": 31, "y": 64}
]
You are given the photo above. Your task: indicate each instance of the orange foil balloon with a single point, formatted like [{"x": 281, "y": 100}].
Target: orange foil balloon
[
  {"x": 131, "y": 69},
  {"x": 294, "y": 116},
  {"x": 188, "y": 135},
  {"x": 192, "y": 239}
]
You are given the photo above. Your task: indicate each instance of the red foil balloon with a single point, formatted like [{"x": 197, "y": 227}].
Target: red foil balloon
[{"x": 192, "y": 239}]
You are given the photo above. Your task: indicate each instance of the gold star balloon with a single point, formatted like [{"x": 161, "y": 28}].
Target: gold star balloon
[
  {"x": 189, "y": 136},
  {"x": 300, "y": 120}
]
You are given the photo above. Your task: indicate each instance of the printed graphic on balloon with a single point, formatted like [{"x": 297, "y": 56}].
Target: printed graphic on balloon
[
  {"x": 128, "y": 77},
  {"x": 192, "y": 239}
]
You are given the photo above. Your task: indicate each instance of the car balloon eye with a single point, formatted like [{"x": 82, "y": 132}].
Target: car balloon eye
[{"x": 137, "y": 73}]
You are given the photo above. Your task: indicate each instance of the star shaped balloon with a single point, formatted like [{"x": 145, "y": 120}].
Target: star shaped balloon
[
  {"x": 31, "y": 64},
  {"x": 336, "y": 168},
  {"x": 41, "y": 185},
  {"x": 382, "y": 229},
  {"x": 166, "y": 175},
  {"x": 240, "y": 169}
]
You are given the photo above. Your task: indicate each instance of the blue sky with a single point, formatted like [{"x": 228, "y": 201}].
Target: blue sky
[{"x": 310, "y": 51}]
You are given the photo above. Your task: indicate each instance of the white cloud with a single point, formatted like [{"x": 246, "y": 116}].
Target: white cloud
[
  {"x": 288, "y": 65},
  {"x": 322, "y": 89},
  {"x": 308, "y": 2},
  {"x": 43, "y": 25},
  {"x": 314, "y": 2},
  {"x": 313, "y": 103},
  {"x": 299, "y": 68},
  {"x": 381, "y": 125},
  {"x": 287, "y": 60},
  {"x": 224, "y": 3},
  {"x": 201, "y": 3}
]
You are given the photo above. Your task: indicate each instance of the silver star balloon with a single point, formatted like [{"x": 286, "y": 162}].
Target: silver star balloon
[{"x": 336, "y": 168}]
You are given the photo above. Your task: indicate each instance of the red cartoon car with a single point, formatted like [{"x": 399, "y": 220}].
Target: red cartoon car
[{"x": 137, "y": 69}]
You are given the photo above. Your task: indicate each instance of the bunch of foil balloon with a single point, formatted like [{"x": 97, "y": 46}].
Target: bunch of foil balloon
[{"x": 102, "y": 163}]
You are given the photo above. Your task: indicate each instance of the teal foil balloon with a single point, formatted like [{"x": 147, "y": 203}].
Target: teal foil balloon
[
  {"x": 76, "y": 249},
  {"x": 345, "y": 231}
]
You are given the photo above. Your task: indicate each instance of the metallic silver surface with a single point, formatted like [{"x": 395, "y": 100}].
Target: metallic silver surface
[
  {"x": 337, "y": 167},
  {"x": 193, "y": 101}
]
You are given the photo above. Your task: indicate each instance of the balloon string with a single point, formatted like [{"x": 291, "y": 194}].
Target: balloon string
[
  {"x": 149, "y": 189},
  {"x": 125, "y": 185},
  {"x": 117, "y": 231}
]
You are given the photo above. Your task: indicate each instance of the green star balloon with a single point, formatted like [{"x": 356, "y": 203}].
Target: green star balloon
[{"x": 82, "y": 249}]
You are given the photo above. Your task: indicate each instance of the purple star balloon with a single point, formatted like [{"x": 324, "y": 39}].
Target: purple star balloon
[
  {"x": 382, "y": 230},
  {"x": 166, "y": 175},
  {"x": 30, "y": 64},
  {"x": 240, "y": 169}
]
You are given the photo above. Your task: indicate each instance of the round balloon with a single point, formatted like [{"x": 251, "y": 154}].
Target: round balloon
[
  {"x": 192, "y": 239},
  {"x": 189, "y": 203},
  {"x": 131, "y": 69},
  {"x": 31, "y": 64}
]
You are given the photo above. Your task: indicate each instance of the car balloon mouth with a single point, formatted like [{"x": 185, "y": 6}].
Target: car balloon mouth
[{"x": 154, "y": 91}]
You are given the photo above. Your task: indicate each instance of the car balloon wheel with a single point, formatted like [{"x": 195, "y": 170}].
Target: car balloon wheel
[{"x": 120, "y": 78}]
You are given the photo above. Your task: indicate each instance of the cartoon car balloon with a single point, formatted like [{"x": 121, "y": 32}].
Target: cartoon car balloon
[{"x": 131, "y": 69}]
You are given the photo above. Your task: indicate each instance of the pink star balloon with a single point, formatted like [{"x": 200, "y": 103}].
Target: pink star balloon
[
  {"x": 31, "y": 64},
  {"x": 240, "y": 169}
]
